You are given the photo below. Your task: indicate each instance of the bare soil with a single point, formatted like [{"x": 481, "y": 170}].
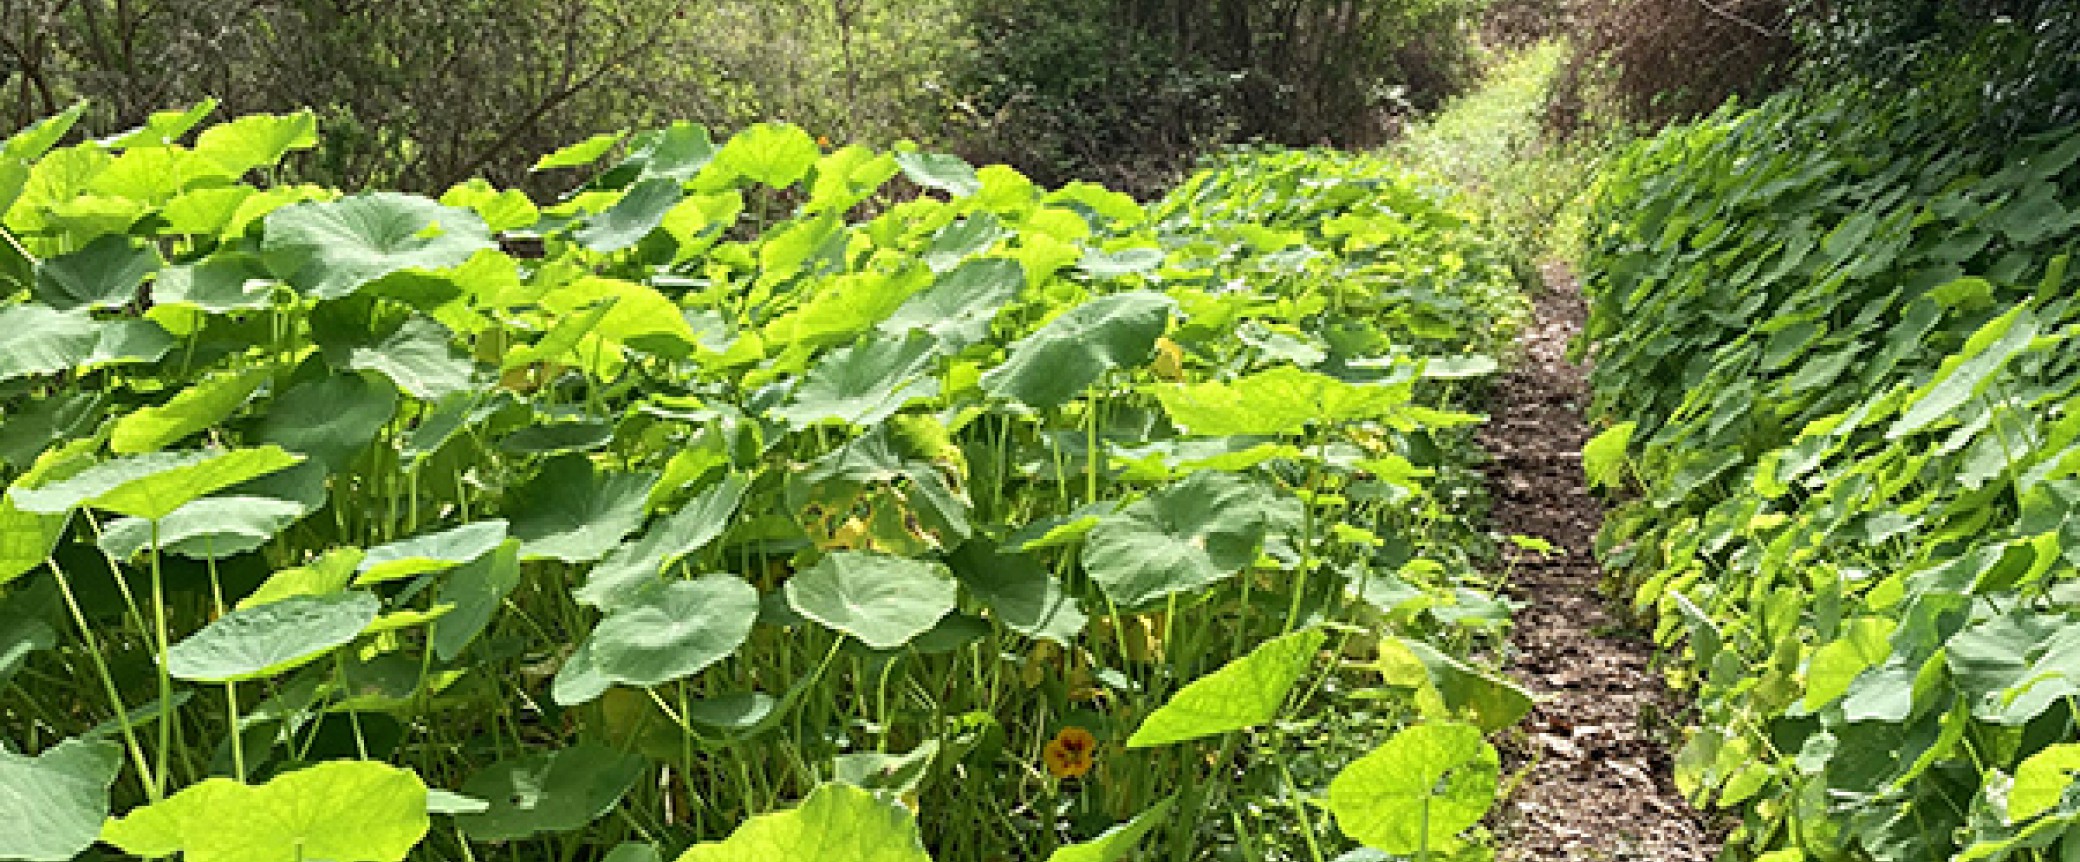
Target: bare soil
[{"x": 1599, "y": 785}]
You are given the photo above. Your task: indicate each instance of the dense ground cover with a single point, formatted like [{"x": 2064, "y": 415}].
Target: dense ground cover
[
  {"x": 758, "y": 494},
  {"x": 1832, "y": 338}
]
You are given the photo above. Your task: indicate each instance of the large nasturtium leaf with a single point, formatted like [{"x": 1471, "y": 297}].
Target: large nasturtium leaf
[
  {"x": 1282, "y": 400},
  {"x": 419, "y": 356},
  {"x": 1966, "y": 375},
  {"x": 211, "y": 528},
  {"x": 1863, "y": 643},
  {"x": 344, "y": 811},
  {"x": 191, "y": 410},
  {"x": 882, "y": 600},
  {"x": 669, "y": 631},
  {"x": 225, "y": 281},
  {"x": 104, "y": 274},
  {"x": 152, "y": 486},
  {"x": 1055, "y": 364},
  {"x": 257, "y": 140},
  {"x": 1603, "y": 457},
  {"x": 52, "y": 805},
  {"x": 1182, "y": 538},
  {"x": 633, "y": 217},
  {"x": 330, "y": 249},
  {"x": 836, "y": 823},
  {"x": 27, "y": 538},
  {"x": 332, "y": 419},
  {"x": 569, "y": 512},
  {"x": 580, "y": 154},
  {"x": 548, "y": 792},
  {"x": 475, "y": 591},
  {"x": 2043, "y": 780},
  {"x": 777, "y": 154},
  {"x": 431, "y": 552},
  {"x": 1243, "y": 693},
  {"x": 1449, "y": 688},
  {"x": 946, "y": 173},
  {"x": 629, "y": 568},
  {"x": 1418, "y": 790},
  {"x": 1019, "y": 592},
  {"x": 639, "y": 316},
  {"x": 958, "y": 308},
  {"x": 1118, "y": 841},
  {"x": 42, "y": 340},
  {"x": 269, "y": 639},
  {"x": 865, "y": 383}
]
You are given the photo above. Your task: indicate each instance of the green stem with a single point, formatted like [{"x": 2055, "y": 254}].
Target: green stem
[{"x": 108, "y": 684}]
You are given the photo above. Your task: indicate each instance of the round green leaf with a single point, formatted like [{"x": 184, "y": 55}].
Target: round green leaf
[
  {"x": 837, "y": 823},
  {"x": 104, "y": 274},
  {"x": 344, "y": 811},
  {"x": 268, "y": 639},
  {"x": 52, "y": 805},
  {"x": 777, "y": 154},
  {"x": 865, "y": 383},
  {"x": 431, "y": 552},
  {"x": 1056, "y": 363},
  {"x": 569, "y": 513},
  {"x": 883, "y": 601},
  {"x": 2042, "y": 781},
  {"x": 548, "y": 792},
  {"x": 152, "y": 486},
  {"x": 330, "y": 249},
  {"x": 1418, "y": 790},
  {"x": 1185, "y": 537},
  {"x": 669, "y": 632}
]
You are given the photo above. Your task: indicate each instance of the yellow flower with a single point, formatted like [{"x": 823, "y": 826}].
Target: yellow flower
[{"x": 1069, "y": 753}]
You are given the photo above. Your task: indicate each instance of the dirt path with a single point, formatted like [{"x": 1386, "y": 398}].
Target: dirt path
[{"x": 1599, "y": 788}]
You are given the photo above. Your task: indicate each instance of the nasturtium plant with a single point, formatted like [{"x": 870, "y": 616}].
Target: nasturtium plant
[
  {"x": 837, "y": 822},
  {"x": 548, "y": 793},
  {"x": 1418, "y": 791},
  {"x": 52, "y": 805},
  {"x": 349, "y": 811},
  {"x": 1186, "y": 537},
  {"x": 1244, "y": 693},
  {"x": 884, "y": 601},
  {"x": 739, "y": 473},
  {"x": 1070, "y": 353},
  {"x": 272, "y": 638}
]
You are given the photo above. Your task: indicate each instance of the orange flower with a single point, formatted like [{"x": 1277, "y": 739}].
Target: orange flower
[
  {"x": 1069, "y": 754},
  {"x": 823, "y": 141}
]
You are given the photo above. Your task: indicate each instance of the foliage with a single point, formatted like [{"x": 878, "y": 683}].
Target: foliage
[
  {"x": 1836, "y": 335},
  {"x": 2010, "y": 66},
  {"x": 732, "y": 503},
  {"x": 1130, "y": 91}
]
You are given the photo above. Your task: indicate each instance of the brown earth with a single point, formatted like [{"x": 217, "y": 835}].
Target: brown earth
[{"x": 1597, "y": 745}]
